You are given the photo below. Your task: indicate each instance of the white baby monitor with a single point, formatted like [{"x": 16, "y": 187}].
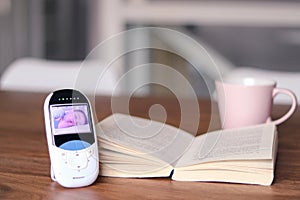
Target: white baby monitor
[{"x": 71, "y": 138}]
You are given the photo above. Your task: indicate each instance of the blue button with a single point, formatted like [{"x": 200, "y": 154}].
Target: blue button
[{"x": 75, "y": 145}]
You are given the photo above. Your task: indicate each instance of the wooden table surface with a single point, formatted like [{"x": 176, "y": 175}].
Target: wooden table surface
[{"x": 24, "y": 161}]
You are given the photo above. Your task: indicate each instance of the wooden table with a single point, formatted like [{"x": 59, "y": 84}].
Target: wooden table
[{"x": 24, "y": 162}]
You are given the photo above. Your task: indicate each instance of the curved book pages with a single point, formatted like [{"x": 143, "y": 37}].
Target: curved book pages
[{"x": 136, "y": 147}]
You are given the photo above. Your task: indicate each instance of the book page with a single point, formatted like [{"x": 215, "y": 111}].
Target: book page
[
  {"x": 145, "y": 136},
  {"x": 247, "y": 143}
]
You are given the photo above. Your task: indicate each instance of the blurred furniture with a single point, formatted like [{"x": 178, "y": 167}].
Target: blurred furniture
[
  {"x": 115, "y": 14},
  {"x": 204, "y": 64},
  {"x": 25, "y": 174},
  {"x": 40, "y": 75}
]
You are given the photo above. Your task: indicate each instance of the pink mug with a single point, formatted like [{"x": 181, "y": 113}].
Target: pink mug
[{"x": 249, "y": 101}]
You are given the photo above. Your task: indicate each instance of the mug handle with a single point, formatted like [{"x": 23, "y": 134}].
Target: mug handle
[{"x": 277, "y": 91}]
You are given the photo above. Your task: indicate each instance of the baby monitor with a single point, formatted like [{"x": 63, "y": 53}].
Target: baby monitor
[{"x": 71, "y": 138}]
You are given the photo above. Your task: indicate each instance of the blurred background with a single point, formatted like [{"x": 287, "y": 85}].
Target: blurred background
[{"x": 262, "y": 34}]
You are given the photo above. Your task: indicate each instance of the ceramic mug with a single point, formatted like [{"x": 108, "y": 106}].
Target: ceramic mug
[{"x": 249, "y": 101}]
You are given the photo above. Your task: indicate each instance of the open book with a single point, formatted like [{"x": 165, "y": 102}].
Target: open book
[{"x": 136, "y": 147}]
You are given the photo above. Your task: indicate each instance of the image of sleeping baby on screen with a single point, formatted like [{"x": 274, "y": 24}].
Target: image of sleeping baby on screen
[{"x": 70, "y": 119}]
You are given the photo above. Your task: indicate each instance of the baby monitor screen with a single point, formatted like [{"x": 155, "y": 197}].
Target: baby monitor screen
[{"x": 69, "y": 119}]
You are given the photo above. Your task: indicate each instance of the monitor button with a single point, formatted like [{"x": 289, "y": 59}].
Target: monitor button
[{"x": 77, "y": 160}]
